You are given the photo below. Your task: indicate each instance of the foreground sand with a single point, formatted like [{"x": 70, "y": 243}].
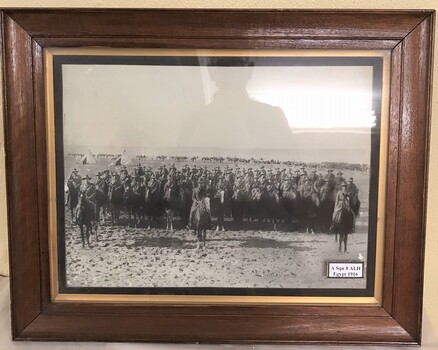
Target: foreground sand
[{"x": 140, "y": 257}]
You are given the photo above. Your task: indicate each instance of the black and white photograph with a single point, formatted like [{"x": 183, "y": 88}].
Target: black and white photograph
[{"x": 217, "y": 173}]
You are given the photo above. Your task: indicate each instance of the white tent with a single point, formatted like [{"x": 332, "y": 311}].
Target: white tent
[
  {"x": 88, "y": 158},
  {"x": 123, "y": 159}
]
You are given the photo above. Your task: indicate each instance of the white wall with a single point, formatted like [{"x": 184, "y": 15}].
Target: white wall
[{"x": 431, "y": 266}]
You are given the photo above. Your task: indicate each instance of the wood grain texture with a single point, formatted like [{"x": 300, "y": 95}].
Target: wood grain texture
[
  {"x": 41, "y": 171},
  {"x": 412, "y": 177},
  {"x": 60, "y": 308},
  {"x": 218, "y": 23},
  {"x": 407, "y": 34},
  {"x": 23, "y": 217},
  {"x": 238, "y": 43},
  {"x": 187, "y": 328},
  {"x": 392, "y": 175}
]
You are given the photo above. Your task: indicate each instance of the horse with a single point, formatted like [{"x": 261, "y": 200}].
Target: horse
[
  {"x": 355, "y": 203},
  {"x": 327, "y": 206},
  {"x": 270, "y": 206},
  {"x": 102, "y": 201},
  {"x": 133, "y": 203},
  {"x": 154, "y": 203},
  {"x": 288, "y": 203},
  {"x": 73, "y": 197},
  {"x": 187, "y": 203},
  {"x": 254, "y": 207},
  {"x": 219, "y": 207},
  {"x": 240, "y": 203},
  {"x": 311, "y": 204},
  {"x": 343, "y": 222},
  {"x": 201, "y": 222},
  {"x": 85, "y": 216},
  {"x": 173, "y": 202},
  {"x": 116, "y": 199}
]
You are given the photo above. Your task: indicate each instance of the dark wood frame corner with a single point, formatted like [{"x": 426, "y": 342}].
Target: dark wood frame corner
[{"x": 408, "y": 35}]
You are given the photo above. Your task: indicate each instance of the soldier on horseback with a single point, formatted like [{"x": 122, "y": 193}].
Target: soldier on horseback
[
  {"x": 340, "y": 196},
  {"x": 88, "y": 190},
  {"x": 353, "y": 192},
  {"x": 198, "y": 196},
  {"x": 339, "y": 180},
  {"x": 330, "y": 177},
  {"x": 73, "y": 187},
  {"x": 139, "y": 171},
  {"x": 352, "y": 188}
]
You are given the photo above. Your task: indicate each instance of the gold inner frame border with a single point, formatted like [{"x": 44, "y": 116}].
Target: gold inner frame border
[{"x": 210, "y": 299}]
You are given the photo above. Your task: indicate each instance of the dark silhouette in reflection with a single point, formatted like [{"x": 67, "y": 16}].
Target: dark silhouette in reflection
[{"x": 233, "y": 119}]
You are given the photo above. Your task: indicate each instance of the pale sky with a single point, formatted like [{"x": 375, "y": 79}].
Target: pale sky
[{"x": 147, "y": 106}]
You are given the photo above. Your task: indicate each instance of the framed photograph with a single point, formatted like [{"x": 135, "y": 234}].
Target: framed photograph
[{"x": 245, "y": 177}]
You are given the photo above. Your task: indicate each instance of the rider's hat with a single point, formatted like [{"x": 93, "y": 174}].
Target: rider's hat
[
  {"x": 350, "y": 179},
  {"x": 340, "y": 173},
  {"x": 86, "y": 177}
]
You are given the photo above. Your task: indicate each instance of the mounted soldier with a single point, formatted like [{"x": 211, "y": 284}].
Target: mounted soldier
[
  {"x": 339, "y": 180},
  {"x": 73, "y": 187},
  {"x": 353, "y": 192},
  {"x": 88, "y": 190},
  {"x": 330, "y": 178},
  {"x": 319, "y": 183},
  {"x": 352, "y": 188},
  {"x": 125, "y": 178},
  {"x": 313, "y": 177},
  {"x": 198, "y": 196},
  {"x": 339, "y": 200},
  {"x": 139, "y": 171}
]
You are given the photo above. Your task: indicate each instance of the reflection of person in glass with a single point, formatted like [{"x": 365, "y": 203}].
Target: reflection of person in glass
[{"x": 233, "y": 119}]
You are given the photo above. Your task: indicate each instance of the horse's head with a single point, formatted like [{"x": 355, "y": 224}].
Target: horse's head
[{"x": 205, "y": 204}]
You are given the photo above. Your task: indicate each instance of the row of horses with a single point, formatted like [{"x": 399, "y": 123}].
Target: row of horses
[{"x": 173, "y": 201}]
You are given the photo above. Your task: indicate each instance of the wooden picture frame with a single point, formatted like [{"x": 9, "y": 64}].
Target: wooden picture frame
[{"x": 407, "y": 35}]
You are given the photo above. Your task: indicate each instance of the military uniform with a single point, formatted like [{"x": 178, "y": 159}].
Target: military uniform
[
  {"x": 101, "y": 184},
  {"x": 88, "y": 190},
  {"x": 338, "y": 204},
  {"x": 313, "y": 177},
  {"x": 339, "y": 180},
  {"x": 330, "y": 178},
  {"x": 153, "y": 185},
  {"x": 306, "y": 189},
  {"x": 352, "y": 188},
  {"x": 319, "y": 183},
  {"x": 199, "y": 194}
]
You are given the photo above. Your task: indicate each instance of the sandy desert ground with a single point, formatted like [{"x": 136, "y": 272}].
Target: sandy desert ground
[{"x": 138, "y": 257}]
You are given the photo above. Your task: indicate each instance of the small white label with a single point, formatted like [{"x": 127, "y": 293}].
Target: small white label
[{"x": 345, "y": 269}]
